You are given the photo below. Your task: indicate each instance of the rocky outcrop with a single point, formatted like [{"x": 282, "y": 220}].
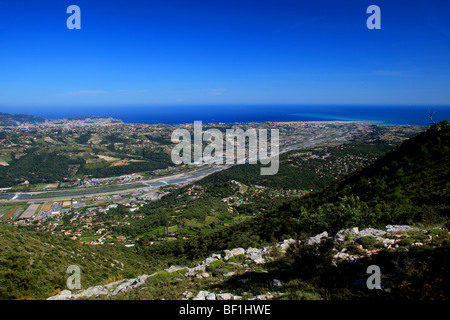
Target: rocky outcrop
[
  {"x": 103, "y": 290},
  {"x": 391, "y": 238},
  {"x": 317, "y": 239},
  {"x": 387, "y": 239},
  {"x": 227, "y": 254},
  {"x": 399, "y": 229},
  {"x": 256, "y": 255},
  {"x": 371, "y": 232},
  {"x": 205, "y": 295},
  {"x": 342, "y": 235}
]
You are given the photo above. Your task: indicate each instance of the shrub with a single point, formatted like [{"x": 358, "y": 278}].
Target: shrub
[
  {"x": 308, "y": 260},
  {"x": 369, "y": 242},
  {"x": 435, "y": 232},
  {"x": 349, "y": 237},
  {"x": 240, "y": 258},
  {"x": 161, "y": 276},
  {"x": 418, "y": 236},
  {"x": 406, "y": 242},
  {"x": 353, "y": 248},
  {"x": 216, "y": 267},
  {"x": 417, "y": 283}
]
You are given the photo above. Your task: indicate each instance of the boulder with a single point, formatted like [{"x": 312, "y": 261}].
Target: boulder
[
  {"x": 255, "y": 255},
  {"x": 387, "y": 242},
  {"x": 224, "y": 296},
  {"x": 317, "y": 238},
  {"x": 399, "y": 229},
  {"x": 226, "y": 254},
  {"x": 113, "y": 284},
  {"x": 63, "y": 295},
  {"x": 284, "y": 245},
  {"x": 211, "y": 296},
  {"x": 276, "y": 283},
  {"x": 230, "y": 253},
  {"x": 251, "y": 272},
  {"x": 371, "y": 232},
  {"x": 208, "y": 261},
  {"x": 257, "y": 259},
  {"x": 201, "y": 295},
  {"x": 92, "y": 291},
  {"x": 143, "y": 278},
  {"x": 198, "y": 269},
  {"x": 341, "y": 255},
  {"x": 200, "y": 298},
  {"x": 237, "y": 251},
  {"x": 342, "y": 234},
  {"x": 174, "y": 269},
  {"x": 121, "y": 288},
  {"x": 190, "y": 272}
]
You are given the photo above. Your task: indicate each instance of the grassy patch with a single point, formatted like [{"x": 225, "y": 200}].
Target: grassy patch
[
  {"x": 34, "y": 265},
  {"x": 240, "y": 258},
  {"x": 370, "y": 243}
]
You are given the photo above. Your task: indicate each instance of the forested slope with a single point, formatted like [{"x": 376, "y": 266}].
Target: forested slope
[{"x": 409, "y": 185}]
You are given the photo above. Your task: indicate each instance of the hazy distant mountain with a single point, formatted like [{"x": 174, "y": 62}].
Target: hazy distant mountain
[
  {"x": 14, "y": 120},
  {"x": 7, "y": 119}
]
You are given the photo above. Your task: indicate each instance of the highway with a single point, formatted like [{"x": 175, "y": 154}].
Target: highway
[{"x": 179, "y": 179}]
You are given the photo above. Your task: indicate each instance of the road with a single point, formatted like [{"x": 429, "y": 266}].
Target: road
[{"x": 178, "y": 179}]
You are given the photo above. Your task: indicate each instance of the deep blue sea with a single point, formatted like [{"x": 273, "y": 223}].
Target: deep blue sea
[{"x": 412, "y": 115}]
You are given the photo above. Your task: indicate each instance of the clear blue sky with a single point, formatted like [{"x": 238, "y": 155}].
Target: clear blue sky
[{"x": 148, "y": 52}]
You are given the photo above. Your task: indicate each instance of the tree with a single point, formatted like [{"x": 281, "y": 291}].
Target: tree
[{"x": 430, "y": 116}]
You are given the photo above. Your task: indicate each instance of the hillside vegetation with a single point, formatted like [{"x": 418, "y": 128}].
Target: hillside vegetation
[
  {"x": 409, "y": 185},
  {"x": 34, "y": 265}
]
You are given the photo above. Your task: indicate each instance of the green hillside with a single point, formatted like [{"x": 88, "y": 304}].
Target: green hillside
[
  {"x": 34, "y": 265},
  {"x": 310, "y": 169},
  {"x": 409, "y": 185}
]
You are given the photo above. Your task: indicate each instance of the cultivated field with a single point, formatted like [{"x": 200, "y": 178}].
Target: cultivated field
[{"x": 31, "y": 210}]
